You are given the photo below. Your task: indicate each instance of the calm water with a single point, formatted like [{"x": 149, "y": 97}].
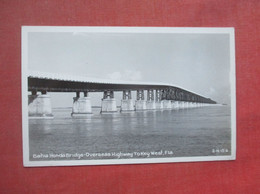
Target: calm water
[{"x": 201, "y": 131}]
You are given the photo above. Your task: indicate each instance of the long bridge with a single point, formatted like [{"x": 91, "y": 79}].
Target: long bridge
[{"x": 159, "y": 95}]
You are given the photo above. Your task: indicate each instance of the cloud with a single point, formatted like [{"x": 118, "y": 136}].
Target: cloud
[
  {"x": 126, "y": 75},
  {"x": 115, "y": 75},
  {"x": 211, "y": 92}
]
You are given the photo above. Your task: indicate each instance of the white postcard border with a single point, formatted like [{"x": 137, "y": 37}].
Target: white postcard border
[{"x": 188, "y": 30}]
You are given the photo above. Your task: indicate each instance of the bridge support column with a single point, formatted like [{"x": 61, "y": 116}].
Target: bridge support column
[
  {"x": 39, "y": 106},
  {"x": 193, "y": 105},
  {"x": 159, "y": 105},
  {"x": 81, "y": 105},
  {"x": 175, "y": 105},
  {"x": 181, "y": 104},
  {"x": 167, "y": 104},
  {"x": 108, "y": 102},
  {"x": 150, "y": 103},
  {"x": 127, "y": 103},
  {"x": 186, "y": 104},
  {"x": 158, "y": 97},
  {"x": 140, "y": 103}
]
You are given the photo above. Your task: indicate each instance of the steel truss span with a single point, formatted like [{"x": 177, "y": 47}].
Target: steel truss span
[{"x": 167, "y": 92}]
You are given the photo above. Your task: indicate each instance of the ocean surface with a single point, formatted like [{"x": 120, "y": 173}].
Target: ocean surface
[{"x": 202, "y": 131}]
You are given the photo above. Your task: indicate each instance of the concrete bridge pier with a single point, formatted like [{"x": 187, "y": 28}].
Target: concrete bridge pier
[
  {"x": 175, "y": 104},
  {"x": 150, "y": 104},
  {"x": 127, "y": 103},
  {"x": 81, "y": 105},
  {"x": 167, "y": 104},
  {"x": 158, "y": 102},
  {"x": 140, "y": 103},
  {"x": 181, "y": 104},
  {"x": 186, "y": 105},
  {"x": 190, "y": 104},
  {"x": 108, "y": 102},
  {"x": 159, "y": 105},
  {"x": 39, "y": 106}
]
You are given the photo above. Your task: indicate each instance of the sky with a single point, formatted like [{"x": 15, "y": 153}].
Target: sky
[{"x": 196, "y": 62}]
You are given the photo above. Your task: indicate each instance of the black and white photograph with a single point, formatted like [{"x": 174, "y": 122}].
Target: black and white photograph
[{"x": 127, "y": 95}]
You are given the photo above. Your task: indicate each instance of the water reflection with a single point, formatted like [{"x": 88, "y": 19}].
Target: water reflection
[{"x": 190, "y": 132}]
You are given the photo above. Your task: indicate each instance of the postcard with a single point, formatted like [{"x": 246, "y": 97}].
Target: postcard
[{"x": 127, "y": 95}]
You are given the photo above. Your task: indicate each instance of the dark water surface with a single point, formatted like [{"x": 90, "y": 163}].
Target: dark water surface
[{"x": 203, "y": 131}]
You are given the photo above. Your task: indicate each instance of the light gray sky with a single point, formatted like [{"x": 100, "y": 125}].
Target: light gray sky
[{"x": 196, "y": 62}]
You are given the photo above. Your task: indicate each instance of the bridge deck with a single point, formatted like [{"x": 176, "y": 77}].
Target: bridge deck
[{"x": 39, "y": 81}]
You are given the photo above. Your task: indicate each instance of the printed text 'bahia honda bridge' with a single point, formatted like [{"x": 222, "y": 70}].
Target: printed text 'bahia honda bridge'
[{"x": 159, "y": 95}]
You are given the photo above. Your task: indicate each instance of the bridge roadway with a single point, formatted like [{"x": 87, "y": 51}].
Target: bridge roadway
[{"x": 159, "y": 95}]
